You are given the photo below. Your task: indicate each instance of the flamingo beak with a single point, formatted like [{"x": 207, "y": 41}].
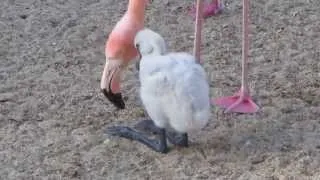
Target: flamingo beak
[{"x": 110, "y": 83}]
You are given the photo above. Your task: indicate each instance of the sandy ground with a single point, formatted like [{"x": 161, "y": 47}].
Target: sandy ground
[{"x": 53, "y": 115}]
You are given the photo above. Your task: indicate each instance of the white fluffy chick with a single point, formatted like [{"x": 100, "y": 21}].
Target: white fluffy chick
[
  {"x": 174, "y": 88},
  {"x": 174, "y": 91}
]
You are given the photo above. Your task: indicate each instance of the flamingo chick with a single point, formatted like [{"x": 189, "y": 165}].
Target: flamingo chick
[
  {"x": 174, "y": 91},
  {"x": 210, "y": 9}
]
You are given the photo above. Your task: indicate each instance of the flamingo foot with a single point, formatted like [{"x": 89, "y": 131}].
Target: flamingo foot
[
  {"x": 178, "y": 139},
  {"x": 241, "y": 102},
  {"x": 173, "y": 137},
  {"x": 158, "y": 145},
  {"x": 147, "y": 126},
  {"x": 210, "y": 9}
]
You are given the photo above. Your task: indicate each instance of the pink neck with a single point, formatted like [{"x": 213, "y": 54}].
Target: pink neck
[{"x": 136, "y": 8}]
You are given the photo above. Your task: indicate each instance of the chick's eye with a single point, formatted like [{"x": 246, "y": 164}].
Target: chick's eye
[{"x": 137, "y": 46}]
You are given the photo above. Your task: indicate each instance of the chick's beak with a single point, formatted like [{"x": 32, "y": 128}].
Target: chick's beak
[
  {"x": 110, "y": 83},
  {"x": 139, "y": 58},
  {"x": 138, "y": 65}
]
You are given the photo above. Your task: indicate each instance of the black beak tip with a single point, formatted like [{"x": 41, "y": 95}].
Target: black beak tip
[{"x": 116, "y": 99}]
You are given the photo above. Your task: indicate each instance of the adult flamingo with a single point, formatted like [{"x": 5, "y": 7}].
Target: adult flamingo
[
  {"x": 120, "y": 50},
  {"x": 174, "y": 91},
  {"x": 210, "y": 9},
  {"x": 241, "y": 102}
]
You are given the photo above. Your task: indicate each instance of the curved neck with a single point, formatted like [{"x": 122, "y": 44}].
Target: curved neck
[{"x": 136, "y": 8}]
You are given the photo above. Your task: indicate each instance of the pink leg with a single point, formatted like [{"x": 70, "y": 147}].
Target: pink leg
[
  {"x": 197, "y": 31},
  {"x": 209, "y": 9},
  {"x": 241, "y": 102}
]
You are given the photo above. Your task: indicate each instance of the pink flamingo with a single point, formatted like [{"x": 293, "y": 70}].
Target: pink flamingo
[
  {"x": 241, "y": 102},
  {"x": 210, "y": 9},
  {"x": 120, "y": 50}
]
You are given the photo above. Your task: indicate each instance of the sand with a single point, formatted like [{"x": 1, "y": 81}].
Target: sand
[{"x": 53, "y": 115}]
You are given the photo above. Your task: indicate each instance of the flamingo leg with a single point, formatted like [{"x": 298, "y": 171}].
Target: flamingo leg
[
  {"x": 197, "y": 31},
  {"x": 210, "y": 9},
  {"x": 242, "y": 101}
]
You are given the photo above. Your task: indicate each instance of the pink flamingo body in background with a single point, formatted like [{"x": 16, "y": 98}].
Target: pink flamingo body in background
[
  {"x": 209, "y": 9},
  {"x": 241, "y": 102}
]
